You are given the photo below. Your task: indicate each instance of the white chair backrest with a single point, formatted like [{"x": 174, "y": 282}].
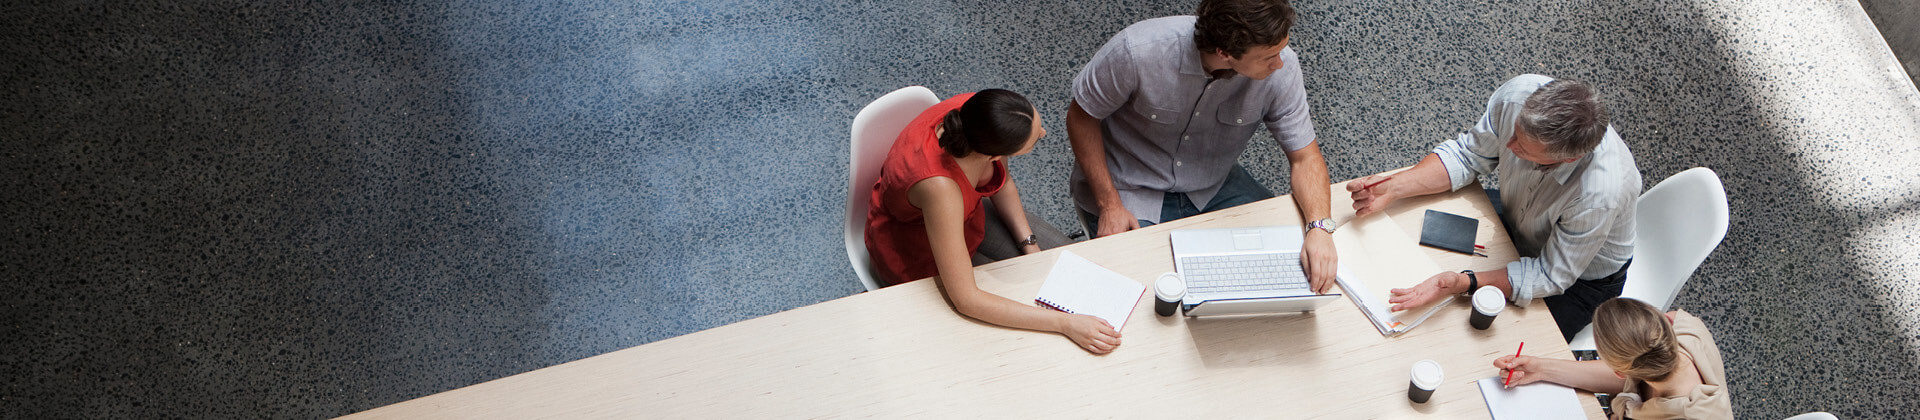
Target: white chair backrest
[
  {"x": 874, "y": 130},
  {"x": 1678, "y": 223}
]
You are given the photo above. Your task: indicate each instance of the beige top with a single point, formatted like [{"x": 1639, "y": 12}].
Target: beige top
[{"x": 1710, "y": 400}]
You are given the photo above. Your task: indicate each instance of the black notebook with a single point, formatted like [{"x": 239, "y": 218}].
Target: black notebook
[{"x": 1449, "y": 231}]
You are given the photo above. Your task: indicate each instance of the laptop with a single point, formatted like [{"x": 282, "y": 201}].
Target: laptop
[{"x": 1241, "y": 271}]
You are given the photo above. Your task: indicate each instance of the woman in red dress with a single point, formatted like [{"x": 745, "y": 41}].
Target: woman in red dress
[{"x": 928, "y": 215}]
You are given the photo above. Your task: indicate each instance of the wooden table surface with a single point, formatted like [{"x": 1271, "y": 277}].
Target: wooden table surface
[{"x": 904, "y": 352}]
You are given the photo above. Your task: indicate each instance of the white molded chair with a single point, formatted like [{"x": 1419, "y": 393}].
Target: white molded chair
[
  {"x": 1817, "y": 415},
  {"x": 874, "y": 130},
  {"x": 1677, "y": 223}
]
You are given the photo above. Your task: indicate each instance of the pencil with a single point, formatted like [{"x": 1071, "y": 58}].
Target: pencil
[{"x": 1516, "y": 354}]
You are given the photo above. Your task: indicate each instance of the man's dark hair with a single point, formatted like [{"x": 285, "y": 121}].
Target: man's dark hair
[
  {"x": 996, "y": 122},
  {"x": 1233, "y": 26},
  {"x": 1566, "y": 116}
]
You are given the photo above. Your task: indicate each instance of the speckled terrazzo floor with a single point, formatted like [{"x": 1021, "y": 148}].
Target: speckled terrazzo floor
[{"x": 308, "y": 209}]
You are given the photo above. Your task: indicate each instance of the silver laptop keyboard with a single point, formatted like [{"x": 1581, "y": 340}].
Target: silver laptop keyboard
[{"x": 1239, "y": 273}]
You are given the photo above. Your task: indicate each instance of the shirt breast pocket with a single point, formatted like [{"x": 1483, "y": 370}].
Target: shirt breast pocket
[
  {"x": 1237, "y": 116},
  {"x": 1157, "y": 121}
]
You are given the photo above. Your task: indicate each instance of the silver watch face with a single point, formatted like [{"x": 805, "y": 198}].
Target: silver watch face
[{"x": 1322, "y": 224}]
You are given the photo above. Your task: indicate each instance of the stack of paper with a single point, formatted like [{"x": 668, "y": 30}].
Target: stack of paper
[{"x": 1377, "y": 257}]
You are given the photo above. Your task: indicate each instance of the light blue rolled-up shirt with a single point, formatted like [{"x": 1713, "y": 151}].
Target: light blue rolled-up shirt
[{"x": 1573, "y": 222}]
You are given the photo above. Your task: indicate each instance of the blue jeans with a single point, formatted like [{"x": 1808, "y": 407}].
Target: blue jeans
[{"x": 1239, "y": 188}]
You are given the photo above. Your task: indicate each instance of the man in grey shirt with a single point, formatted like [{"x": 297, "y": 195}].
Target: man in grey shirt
[
  {"x": 1568, "y": 187},
  {"x": 1161, "y": 114}
]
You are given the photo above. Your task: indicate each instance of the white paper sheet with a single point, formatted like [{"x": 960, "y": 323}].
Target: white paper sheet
[
  {"x": 1538, "y": 400},
  {"x": 1078, "y": 286}
]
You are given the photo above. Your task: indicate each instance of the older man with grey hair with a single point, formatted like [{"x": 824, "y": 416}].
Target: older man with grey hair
[{"x": 1568, "y": 186}]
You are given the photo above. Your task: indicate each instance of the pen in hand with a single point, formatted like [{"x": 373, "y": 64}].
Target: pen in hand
[
  {"x": 1516, "y": 358},
  {"x": 1368, "y": 188}
]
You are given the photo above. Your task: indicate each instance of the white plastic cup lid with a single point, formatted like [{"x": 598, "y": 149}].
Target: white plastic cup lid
[
  {"x": 1171, "y": 286},
  {"x": 1427, "y": 374},
  {"x": 1488, "y": 300}
]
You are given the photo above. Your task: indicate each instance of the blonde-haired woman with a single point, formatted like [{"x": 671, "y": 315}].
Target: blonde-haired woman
[{"x": 1661, "y": 366}]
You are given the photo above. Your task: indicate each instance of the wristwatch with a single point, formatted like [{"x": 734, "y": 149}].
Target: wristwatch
[
  {"x": 1322, "y": 224},
  {"x": 1473, "y": 281},
  {"x": 1031, "y": 240}
]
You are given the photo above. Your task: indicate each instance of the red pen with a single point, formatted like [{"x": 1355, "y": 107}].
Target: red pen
[
  {"x": 1516, "y": 355},
  {"x": 1375, "y": 183}
]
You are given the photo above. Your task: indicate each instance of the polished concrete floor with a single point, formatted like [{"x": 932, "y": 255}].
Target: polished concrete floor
[{"x": 306, "y": 209}]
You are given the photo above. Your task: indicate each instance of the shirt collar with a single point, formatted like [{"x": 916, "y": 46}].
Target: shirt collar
[
  {"x": 1193, "y": 64},
  {"x": 1565, "y": 171}
]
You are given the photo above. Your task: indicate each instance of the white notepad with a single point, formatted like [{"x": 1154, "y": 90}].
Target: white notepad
[
  {"x": 1078, "y": 286},
  {"x": 1538, "y": 400}
]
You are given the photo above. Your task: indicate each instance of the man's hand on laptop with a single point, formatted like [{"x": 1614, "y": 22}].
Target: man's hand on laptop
[{"x": 1319, "y": 259}]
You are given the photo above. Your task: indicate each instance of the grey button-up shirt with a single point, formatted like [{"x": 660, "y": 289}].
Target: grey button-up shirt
[
  {"x": 1169, "y": 126},
  {"x": 1569, "y": 223}
]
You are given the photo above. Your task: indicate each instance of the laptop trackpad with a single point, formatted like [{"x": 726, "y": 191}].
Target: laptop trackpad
[{"x": 1247, "y": 241}]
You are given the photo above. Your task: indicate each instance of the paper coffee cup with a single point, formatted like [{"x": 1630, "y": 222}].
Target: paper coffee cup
[
  {"x": 1487, "y": 303},
  {"x": 1423, "y": 380},
  {"x": 1167, "y": 293}
]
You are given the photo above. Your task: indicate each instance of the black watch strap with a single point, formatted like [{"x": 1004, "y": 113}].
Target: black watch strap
[{"x": 1473, "y": 281}]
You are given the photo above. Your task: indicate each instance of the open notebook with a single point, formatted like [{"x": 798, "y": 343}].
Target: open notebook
[
  {"x": 1376, "y": 257},
  {"x": 1078, "y": 286}
]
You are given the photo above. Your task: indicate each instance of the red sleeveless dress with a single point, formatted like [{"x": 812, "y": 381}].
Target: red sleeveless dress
[{"x": 896, "y": 234}]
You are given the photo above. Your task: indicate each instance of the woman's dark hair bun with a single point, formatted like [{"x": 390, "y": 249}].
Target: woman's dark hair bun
[
  {"x": 953, "y": 136},
  {"x": 996, "y": 122}
]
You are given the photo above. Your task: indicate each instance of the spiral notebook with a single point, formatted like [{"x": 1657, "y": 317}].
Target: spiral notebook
[{"x": 1078, "y": 286}]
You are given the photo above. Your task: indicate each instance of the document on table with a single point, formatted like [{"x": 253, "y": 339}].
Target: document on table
[
  {"x": 1377, "y": 257},
  {"x": 1538, "y": 400},
  {"x": 1078, "y": 286}
]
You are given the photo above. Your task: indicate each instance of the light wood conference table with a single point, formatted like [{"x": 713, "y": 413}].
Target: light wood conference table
[{"x": 903, "y": 351}]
